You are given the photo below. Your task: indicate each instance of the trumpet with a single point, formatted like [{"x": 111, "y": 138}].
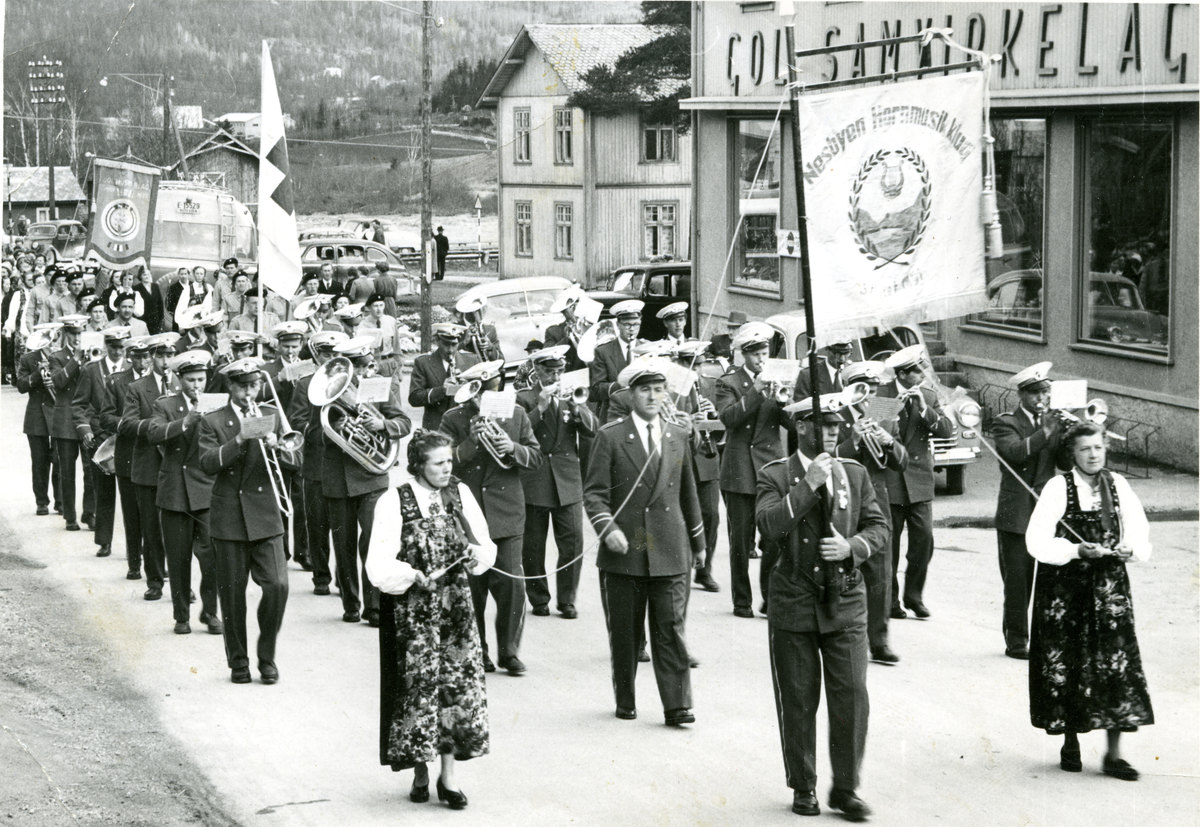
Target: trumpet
[
  {"x": 492, "y": 432},
  {"x": 343, "y": 417},
  {"x": 872, "y": 434},
  {"x": 781, "y": 392},
  {"x": 578, "y": 394},
  {"x": 1096, "y": 413}
]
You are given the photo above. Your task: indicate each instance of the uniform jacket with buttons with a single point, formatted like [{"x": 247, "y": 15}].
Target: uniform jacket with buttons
[
  {"x": 706, "y": 468},
  {"x": 752, "y": 421},
  {"x": 915, "y": 483},
  {"x": 609, "y": 360},
  {"x": 341, "y": 475},
  {"x": 91, "y": 397},
  {"x": 182, "y": 484},
  {"x": 558, "y": 480},
  {"x": 305, "y": 417},
  {"x": 1025, "y": 447},
  {"x": 39, "y": 410},
  {"x": 497, "y": 489},
  {"x": 110, "y": 421},
  {"x": 426, "y": 387},
  {"x": 140, "y": 397},
  {"x": 659, "y": 513},
  {"x": 64, "y": 372},
  {"x": 895, "y": 458},
  {"x": 243, "y": 506},
  {"x": 786, "y": 512}
]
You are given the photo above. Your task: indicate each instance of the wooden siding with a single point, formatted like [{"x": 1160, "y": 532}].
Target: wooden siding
[
  {"x": 618, "y": 154},
  {"x": 542, "y": 169},
  {"x": 543, "y": 262},
  {"x": 616, "y": 228},
  {"x": 241, "y": 172}
]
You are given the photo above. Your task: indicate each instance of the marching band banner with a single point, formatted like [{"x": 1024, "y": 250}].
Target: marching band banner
[
  {"x": 893, "y": 179},
  {"x": 121, "y": 214}
]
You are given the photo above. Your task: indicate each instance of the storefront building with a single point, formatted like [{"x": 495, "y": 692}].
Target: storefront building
[{"x": 1094, "y": 116}]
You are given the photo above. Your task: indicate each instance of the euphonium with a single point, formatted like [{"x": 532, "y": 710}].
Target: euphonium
[{"x": 333, "y": 390}]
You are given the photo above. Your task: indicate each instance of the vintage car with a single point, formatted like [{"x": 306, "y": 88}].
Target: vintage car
[
  {"x": 67, "y": 239},
  {"x": 359, "y": 226},
  {"x": 657, "y": 284},
  {"x": 520, "y": 310},
  {"x": 346, "y": 254},
  {"x": 953, "y": 454}
]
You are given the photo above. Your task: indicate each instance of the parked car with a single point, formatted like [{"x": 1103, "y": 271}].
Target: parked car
[
  {"x": 346, "y": 254},
  {"x": 325, "y": 232},
  {"x": 657, "y": 284},
  {"x": 520, "y": 310},
  {"x": 1116, "y": 310},
  {"x": 359, "y": 226},
  {"x": 68, "y": 238},
  {"x": 953, "y": 454}
]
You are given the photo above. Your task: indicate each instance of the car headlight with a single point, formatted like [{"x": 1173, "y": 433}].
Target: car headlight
[{"x": 969, "y": 415}]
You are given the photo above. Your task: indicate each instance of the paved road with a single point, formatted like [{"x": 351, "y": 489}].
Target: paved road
[{"x": 949, "y": 742}]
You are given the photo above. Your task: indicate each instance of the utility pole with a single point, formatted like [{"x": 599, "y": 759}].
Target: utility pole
[
  {"x": 426, "y": 172},
  {"x": 46, "y": 86}
]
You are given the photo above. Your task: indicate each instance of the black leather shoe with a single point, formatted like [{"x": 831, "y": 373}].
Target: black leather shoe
[
  {"x": 307, "y": 566},
  {"x": 541, "y": 611},
  {"x": 1070, "y": 760},
  {"x": 851, "y": 806},
  {"x": 512, "y": 665},
  {"x": 104, "y": 550},
  {"x": 743, "y": 611},
  {"x": 488, "y": 666},
  {"x": 754, "y": 554},
  {"x": 918, "y": 608},
  {"x": 43, "y": 510},
  {"x": 351, "y": 617},
  {"x": 708, "y": 584},
  {"x": 643, "y": 655},
  {"x": 626, "y": 713},
  {"x": 212, "y": 622},
  {"x": 373, "y": 618},
  {"x": 153, "y": 593},
  {"x": 678, "y": 717},
  {"x": 241, "y": 675},
  {"x": 884, "y": 654},
  {"x": 91, "y": 525},
  {"x": 57, "y": 508},
  {"x": 325, "y": 590},
  {"x": 73, "y": 527},
  {"x": 568, "y": 612},
  {"x": 133, "y": 575},
  {"x": 268, "y": 672},
  {"x": 419, "y": 793},
  {"x": 1119, "y": 768},
  {"x": 692, "y": 662},
  {"x": 454, "y": 798},
  {"x": 897, "y": 612},
  {"x": 183, "y": 628},
  {"x": 191, "y": 596},
  {"x": 804, "y": 803},
  {"x": 1017, "y": 652}
]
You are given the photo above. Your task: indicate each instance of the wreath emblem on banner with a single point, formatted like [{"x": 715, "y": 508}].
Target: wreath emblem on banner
[
  {"x": 888, "y": 227},
  {"x": 121, "y": 219}
]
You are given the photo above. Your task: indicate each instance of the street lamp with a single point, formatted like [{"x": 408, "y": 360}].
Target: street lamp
[{"x": 46, "y": 86}]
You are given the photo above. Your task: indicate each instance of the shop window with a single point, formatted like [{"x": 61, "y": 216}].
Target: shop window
[
  {"x": 563, "y": 231},
  {"x": 658, "y": 231},
  {"x": 1015, "y": 287},
  {"x": 1125, "y": 288},
  {"x": 658, "y": 143},
  {"x": 758, "y": 171},
  {"x": 563, "y": 133},
  {"x": 521, "y": 136},
  {"x": 524, "y": 213}
]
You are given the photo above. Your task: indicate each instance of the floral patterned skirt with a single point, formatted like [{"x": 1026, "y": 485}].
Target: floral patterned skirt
[{"x": 1085, "y": 669}]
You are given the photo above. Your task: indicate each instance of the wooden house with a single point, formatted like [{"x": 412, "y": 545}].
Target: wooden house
[
  {"x": 26, "y": 190},
  {"x": 228, "y": 161},
  {"x": 581, "y": 193}
]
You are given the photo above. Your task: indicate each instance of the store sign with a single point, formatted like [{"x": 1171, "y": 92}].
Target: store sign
[
  {"x": 121, "y": 214},
  {"x": 1041, "y": 46},
  {"x": 892, "y": 182}
]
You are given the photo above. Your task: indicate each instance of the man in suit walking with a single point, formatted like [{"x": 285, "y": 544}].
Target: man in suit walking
[
  {"x": 752, "y": 417},
  {"x": 137, "y": 356},
  {"x": 490, "y": 456},
  {"x": 910, "y": 492},
  {"x": 430, "y": 386},
  {"x": 612, "y": 357},
  {"x": 185, "y": 492},
  {"x": 289, "y": 338},
  {"x": 1027, "y": 439},
  {"x": 138, "y": 409},
  {"x": 245, "y": 523},
  {"x": 823, "y": 515},
  {"x": 554, "y": 490},
  {"x": 640, "y": 495},
  {"x": 33, "y": 378},
  {"x": 91, "y": 398},
  {"x": 65, "y": 367}
]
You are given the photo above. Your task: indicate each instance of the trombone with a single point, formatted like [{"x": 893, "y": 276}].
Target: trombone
[{"x": 290, "y": 441}]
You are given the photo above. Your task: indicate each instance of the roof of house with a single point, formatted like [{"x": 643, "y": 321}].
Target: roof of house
[
  {"x": 239, "y": 117},
  {"x": 572, "y": 50},
  {"x": 32, "y": 184},
  {"x": 223, "y": 140}
]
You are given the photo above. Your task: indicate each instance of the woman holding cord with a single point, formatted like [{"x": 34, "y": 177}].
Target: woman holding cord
[
  {"x": 1085, "y": 669},
  {"x": 432, "y": 693}
]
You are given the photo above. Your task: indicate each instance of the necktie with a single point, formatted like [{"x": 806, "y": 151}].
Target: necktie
[{"x": 651, "y": 445}]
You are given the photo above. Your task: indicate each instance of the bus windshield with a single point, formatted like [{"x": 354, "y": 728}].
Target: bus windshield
[{"x": 176, "y": 239}]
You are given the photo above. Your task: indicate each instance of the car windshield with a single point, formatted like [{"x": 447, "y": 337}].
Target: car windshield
[
  {"x": 540, "y": 301},
  {"x": 1115, "y": 293},
  {"x": 629, "y": 282},
  {"x": 42, "y": 231},
  {"x": 503, "y": 306}
]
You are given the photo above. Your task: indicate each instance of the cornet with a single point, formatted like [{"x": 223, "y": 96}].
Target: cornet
[
  {"x": 781, "y": 392},
  {"x": 489, "y": 439},
  {"x": 47, "y": 379},
  {"x": 871, "y": 433}
]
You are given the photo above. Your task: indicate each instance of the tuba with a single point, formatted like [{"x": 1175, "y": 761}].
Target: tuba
[{"x": 333, "y": 390}]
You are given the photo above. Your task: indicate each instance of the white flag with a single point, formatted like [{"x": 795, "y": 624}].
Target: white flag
[
  {"x": 893, "y": 180},
  {"x": 278, "y": 244}
]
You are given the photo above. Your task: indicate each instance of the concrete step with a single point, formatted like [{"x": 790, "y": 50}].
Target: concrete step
[
  {"x": 936, "y": 347},
  {"x": 944, "y": 363}
]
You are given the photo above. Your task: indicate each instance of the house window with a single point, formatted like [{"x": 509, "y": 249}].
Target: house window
[
  {"x": 1126, "y": 280},
  {"x": 563, "y": 125},
  {"x": 521, "y": 136},
  {"x": 758, "y": 169},
  {"x": 43, "y": 214},
  {"x": 1015, "y": 286},
  {"x": 658, "y": 143},
  {"x": 524, "y": 212},
  {"x": 658, "y": 230},
  {"x": 563, "y": 241}
]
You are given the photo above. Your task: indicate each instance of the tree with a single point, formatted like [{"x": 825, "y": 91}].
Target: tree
[
  {"x": 651, "y": 78},
  {"x": 464, "y": 84}
]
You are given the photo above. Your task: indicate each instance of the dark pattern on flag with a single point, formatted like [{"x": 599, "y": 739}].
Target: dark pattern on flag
[{"x": 278, "y": 156}]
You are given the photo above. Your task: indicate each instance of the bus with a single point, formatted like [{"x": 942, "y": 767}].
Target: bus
[{"x": 200, "y": 224}]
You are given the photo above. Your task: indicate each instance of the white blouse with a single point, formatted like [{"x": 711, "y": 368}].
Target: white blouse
[
  {"x": 1052, "y": 504},
  {"x": 395, "y": 576}
]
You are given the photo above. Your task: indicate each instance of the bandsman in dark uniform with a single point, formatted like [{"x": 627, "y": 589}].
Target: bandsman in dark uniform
[
  {"x": 554, "y": 489},
  {"x": 65, "y": 367},
  {"x": 289, "y": 338},
  {"x": 33, "y": 378},
  {"x": 674, "y": 318},
  {"x": 479, "y": 339},
  {"x": 435, "y": 376},
  {"x": 245, "y": 522},
  {"x": 91, "y": 399},
  {"x": 822, "y": 514},
  {"x": 137, "y": 356},
  {"x": 489, "y": 456},
  {"x": 184, "y": 492},
  {"x": 613, "y": 356},
  {"x": 568, "y": 331}
]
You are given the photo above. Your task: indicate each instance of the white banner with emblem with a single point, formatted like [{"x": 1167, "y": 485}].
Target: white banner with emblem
[{"x": 893, "y": 180}]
